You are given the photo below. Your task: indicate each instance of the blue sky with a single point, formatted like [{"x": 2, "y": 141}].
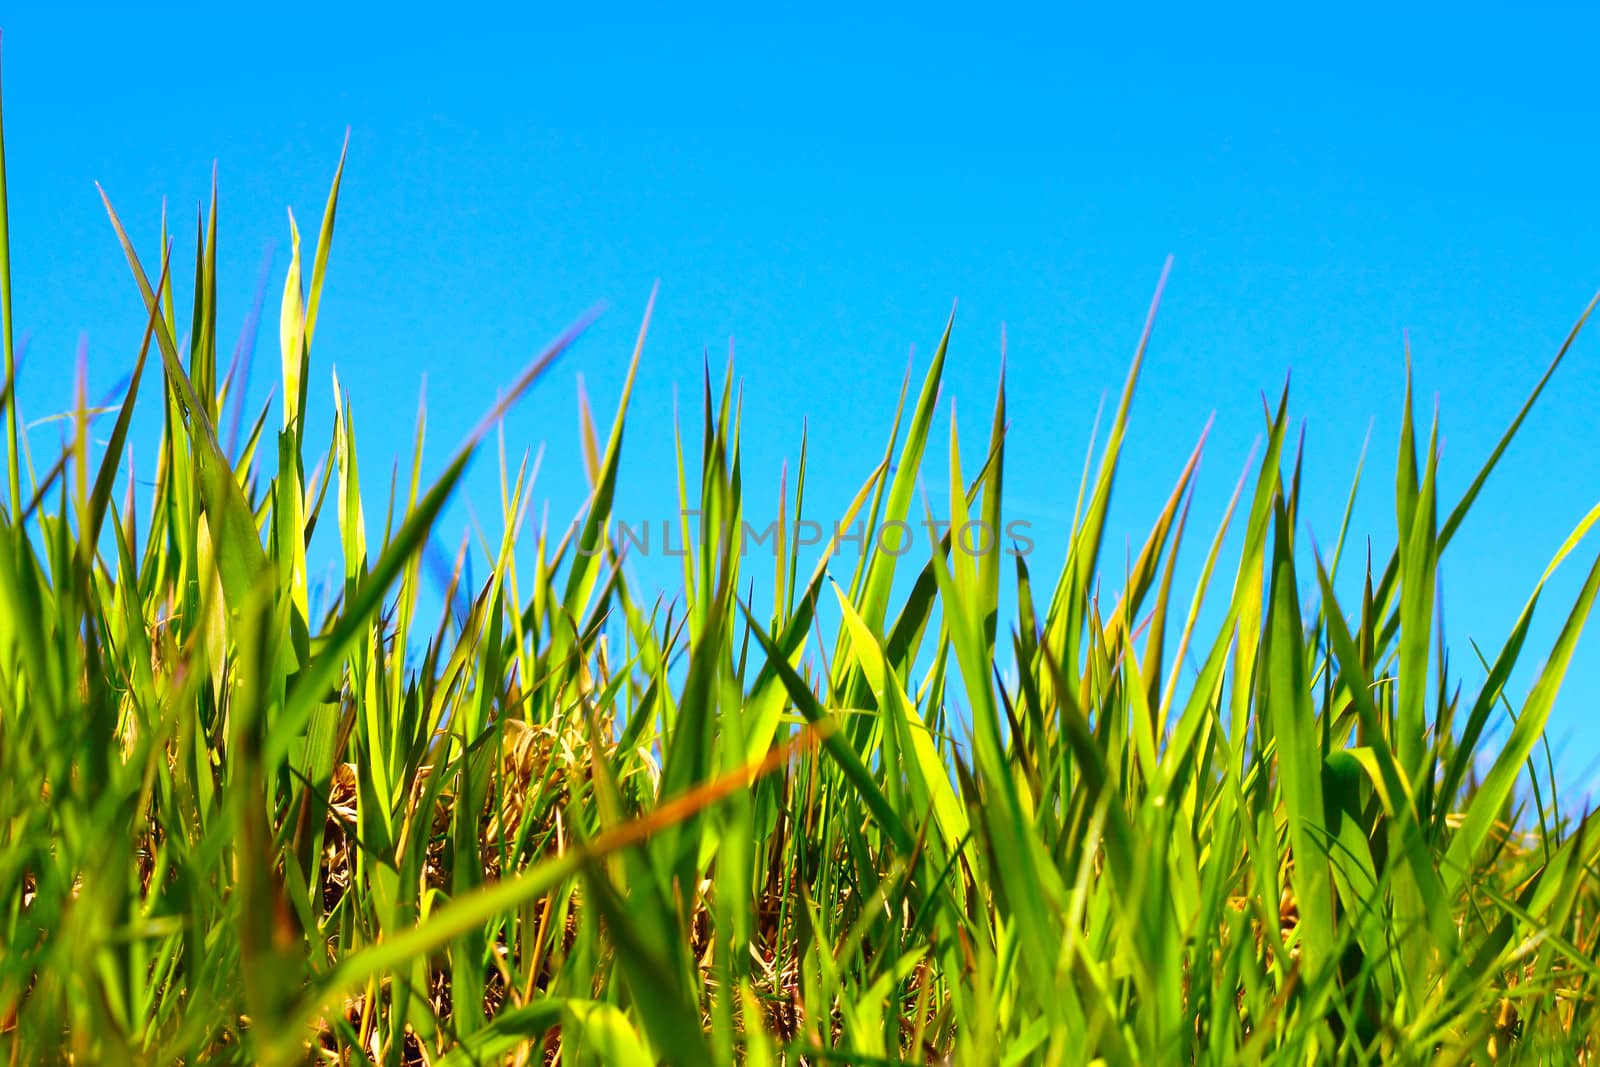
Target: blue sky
[{"x": 819, "y": 185}]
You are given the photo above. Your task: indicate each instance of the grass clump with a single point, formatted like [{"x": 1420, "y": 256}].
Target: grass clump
[{"x": 583, "y": 825}]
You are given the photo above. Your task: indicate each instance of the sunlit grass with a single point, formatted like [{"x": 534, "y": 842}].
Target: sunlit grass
[{"x": 572, "y": 822}]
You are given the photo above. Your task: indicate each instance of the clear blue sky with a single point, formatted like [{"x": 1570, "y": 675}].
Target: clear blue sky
[{"x": 819, "y": 185}]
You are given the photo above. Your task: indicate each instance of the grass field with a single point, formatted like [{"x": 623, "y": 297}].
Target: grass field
[{"x": 571, "y": 822}]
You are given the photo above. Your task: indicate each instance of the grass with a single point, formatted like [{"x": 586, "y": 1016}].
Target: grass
[{"x": 584, "y": 825}]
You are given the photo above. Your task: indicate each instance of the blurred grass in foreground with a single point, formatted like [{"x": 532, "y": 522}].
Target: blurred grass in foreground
[{"x": 590, "y": 827}]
